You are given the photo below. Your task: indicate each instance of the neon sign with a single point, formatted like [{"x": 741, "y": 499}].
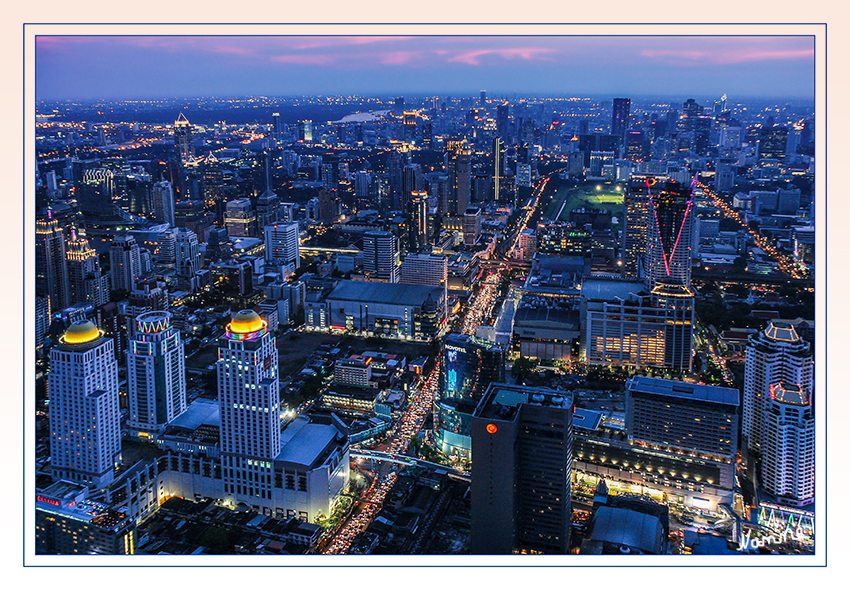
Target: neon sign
[{"x": 50, "y": 501}]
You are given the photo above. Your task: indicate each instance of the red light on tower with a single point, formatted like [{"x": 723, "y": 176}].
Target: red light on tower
[{"x": 491, "y": 428}]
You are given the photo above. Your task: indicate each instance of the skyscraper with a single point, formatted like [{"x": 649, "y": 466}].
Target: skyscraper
[
  {"x": 459, "y": 171},
  {"x": 156, "y": 374},
  {"x": 788, "y": 449},
  {"x": 51, "y": 270},
  {"x": 380, "y": 256},
  {"x": 85, "y": 435},
  {"x": 620, "y": 116},
  {"x": 86, "y": 280},
  {"x": 776, "y": 355},
  {"x": 249, "y": 401},
  {"x": 240, "y": 219},
  {"x": 183, "y": 139},
  {"x": 163, "y": 202},
  {"x": 282, "y": 245},
  {"x": 125, "y": 262},
  {"x": 522, "y": 439},
  {"x": 418, "y": 235},
  {"x": 669, "y": 232}
]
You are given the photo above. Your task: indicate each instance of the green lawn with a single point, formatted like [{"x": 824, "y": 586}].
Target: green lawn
[{"x": 585, "y": 196}]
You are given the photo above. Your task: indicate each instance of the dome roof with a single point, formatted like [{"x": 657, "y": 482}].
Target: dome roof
[
  {"x": 245, "y": 322},
  {"x": 81, "y": 332}
]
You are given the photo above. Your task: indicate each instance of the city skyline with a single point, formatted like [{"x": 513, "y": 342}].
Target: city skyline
[{"x": 76, "y": 67}]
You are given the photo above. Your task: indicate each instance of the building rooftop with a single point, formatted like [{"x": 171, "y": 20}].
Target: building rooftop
[
  {"x": 783, "y": 331},
  {"x": 587, "y": 419},
  {"x": 303, "y": 442},
  {"x": 388, "y": 293},
  {"x": 627, "y": 528},
  {"x": 788, "y": 393},
  {"x": 684, "y": 390},
  {"x": 201, "y": 411}
]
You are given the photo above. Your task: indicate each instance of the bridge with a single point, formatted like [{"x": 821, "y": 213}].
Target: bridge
[{"x": 407, "y": 461}]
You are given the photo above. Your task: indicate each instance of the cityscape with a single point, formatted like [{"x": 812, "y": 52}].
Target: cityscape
[{"x": 384, "y": 321}]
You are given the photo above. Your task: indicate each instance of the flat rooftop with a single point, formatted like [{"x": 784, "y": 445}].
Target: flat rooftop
[
  {"x": 302, "y": 442},
  {"x": 683, "y": 390},
  {"x": 608, "y": 289},
  {"x": 201, "y": 411},
  {"x": 388, "y": 293},
  {"x": 628, "y": 528}
]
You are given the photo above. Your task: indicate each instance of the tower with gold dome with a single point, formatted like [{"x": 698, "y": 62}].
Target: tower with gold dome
[
  {"x": 249, "y": 402},
  {"x": 85, "y": 433}
]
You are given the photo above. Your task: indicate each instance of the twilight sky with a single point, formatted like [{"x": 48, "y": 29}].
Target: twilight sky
[{"x": 136, "y": 67}]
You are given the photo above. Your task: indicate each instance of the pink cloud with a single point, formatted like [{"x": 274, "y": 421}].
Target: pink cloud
[
  {"x": 726, "y": 57},
  {"x": 399, "y": 57},
  {"x": 341, "y": 41},
  {"x": 303, "y": 59},
  {"x": 528, "y": 53}
]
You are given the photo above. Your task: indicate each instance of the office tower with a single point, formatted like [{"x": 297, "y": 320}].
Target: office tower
[
  {"x": 427, "y": 134},
  {"x": 213, "y": 182},
  {"x": 42, "y": 320},
  {"x": 620, "y": 116},
  {"x": 471, "y": 225},
  {"x": 418, "y": 235},
  {"x": 276, "y": 129},
  {"x": 522, "y": 439},
  {"x": 239, "y": 219},
  {"x": 85, "y": 433},
  {"x": 598, "y": 160},
  {"x": 187, "y": 252},
  {"x": 282, "y": 244},
  {"x": 635, "y": 146},
  {"x": 51, "y": 270},
  {"x": 156, "y": 375},
  {"x": 669, "y": 231},
  {"x": 623, "y": 325},
  {"x": 636, "y": 205},
  {"x": 772, "y": 143},
  {"x": 409, "y": 126},
  {"x": 125, "y": 262},
  {"x": 681, "y": 416},
  {"x": 690, "y": 111},
  {"x": 459, "y": 171},
  {"x": 330, "y": 175},
  {"x": 87, "y": 283},
  {"x": 776, "y": 355},
  {"x": 162, "y": 196},
  {"x": 502, "y": 119},
  {"x": 483, "y": 99},
  {"x": 498, "y": 155},
  {"x": 249, "y": 402},
  {"x": 183, "y": 140},
  {"x": 412, "y": 181},
  {"x": 362, "y": 180},
  {"x": 424, "y": 269},
  {"x": 469, "y": 365},
  {"x": 305, "y": 131},
  {"x": 788, "y": 449},
  {"x": 398, "y": 106},
  {"x": 380, "y": 256}
]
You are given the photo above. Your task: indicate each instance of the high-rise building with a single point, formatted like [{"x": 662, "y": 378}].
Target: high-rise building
[
  {"x": 459, "y": 171},
  {"x": 156, "y": 375},
  {"x": 87, "y": 282},
  {"x": 85, "y": 421},
  {"x": 623, "y": 325},
  {"x": 51, "y": 270},
  {"x": 682, "y": 416},
  {"x": 418, "y": 234},
  {"x": 772, "y": 143},
  {"x": 183, "y": 139},
  {"x": 282, "y": 244},
  {"x": 305, "y": 131},
  {"x": 469, "y": 365},
  {"x": 669, "y": 231},
  {"x": 522, "y": 439},
  {"x": 249, "y": 402},
  {"x": 788, "y": 445},
  {"x": 125, "y": 262},
  {"x": 776, "y": 355},
  {"x": 424, "y": 269},
  {"x": 380, "y": 256},
  {"x": 187, "y": 252},
  {"x": 240, "y": 219},
  {"x": 213, "y": 182},
  {"x": 471, "y": 225},
  {"x": 162, "y": 196},
  {"x": 620, "y": 116}
]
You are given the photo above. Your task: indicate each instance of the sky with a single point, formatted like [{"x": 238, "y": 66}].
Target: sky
[{"x": 145, "y": 67}]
